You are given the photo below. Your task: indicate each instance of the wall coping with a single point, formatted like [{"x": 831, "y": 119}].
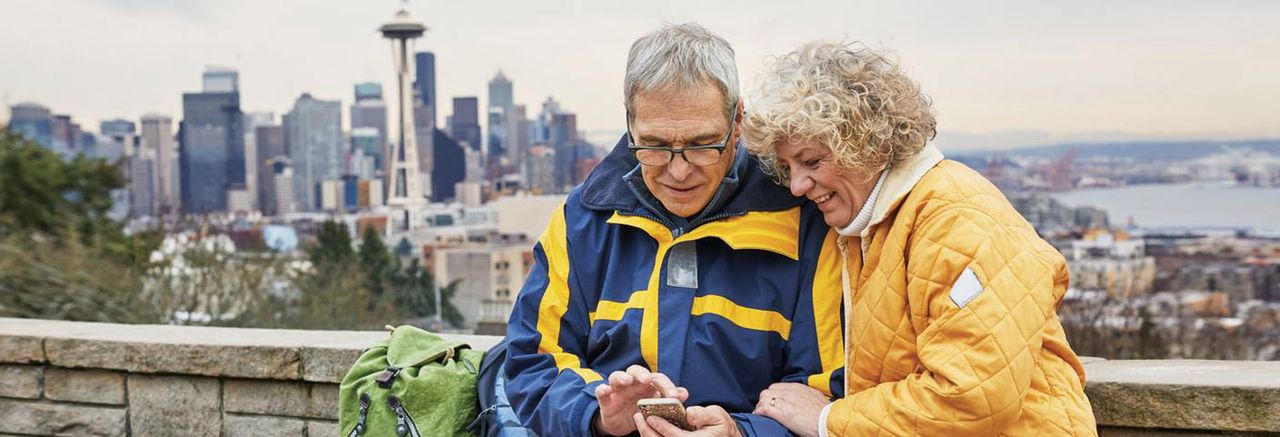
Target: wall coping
[{"x": 1165, "y": 394}]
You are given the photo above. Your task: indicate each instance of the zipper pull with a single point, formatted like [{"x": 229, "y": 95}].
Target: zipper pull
[
  {"x": 677, "y": 232},
  {"x": 364, "y": 415}
]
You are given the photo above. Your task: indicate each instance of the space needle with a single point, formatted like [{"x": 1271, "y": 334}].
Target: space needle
[{"x": 406, "y": 199}]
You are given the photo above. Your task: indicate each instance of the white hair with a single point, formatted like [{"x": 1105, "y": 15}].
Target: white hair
[{"x": 681, "y": 57}]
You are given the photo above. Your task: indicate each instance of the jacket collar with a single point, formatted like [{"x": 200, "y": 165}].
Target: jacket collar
[
  {"x": 899, "y": 183},
  {"x": 607, "y": 188}
]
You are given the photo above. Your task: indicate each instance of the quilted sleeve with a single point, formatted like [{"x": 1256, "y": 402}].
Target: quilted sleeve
[{"x": 979, "y": 291}]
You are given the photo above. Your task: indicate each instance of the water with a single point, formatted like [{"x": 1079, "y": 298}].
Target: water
[{"x": 1194, "y": 205}]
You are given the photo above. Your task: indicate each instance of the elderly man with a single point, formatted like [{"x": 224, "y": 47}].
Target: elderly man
[{"x": 678, "y": 269}]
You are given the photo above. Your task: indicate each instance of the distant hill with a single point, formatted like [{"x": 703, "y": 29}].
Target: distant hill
[{"x": 1140, "y": 150}]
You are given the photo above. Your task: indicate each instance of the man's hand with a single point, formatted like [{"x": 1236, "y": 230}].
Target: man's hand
[
  {"x": 795, "y": 406},
  {"x": 619, "y": 396},
  {"x": 706, "y": 422}
]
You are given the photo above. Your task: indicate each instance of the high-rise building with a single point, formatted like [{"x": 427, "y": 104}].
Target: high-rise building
[
  {"x": 142, "y": 187},
  {"x": 117, "y": 127},
  {"x": 369, "y": 114},
  {"x": 540, "y": 170},
  {"x": 313, "y": 136},
  {"x": 451, "y": 167},
  {"x": 365, "y": 156},
  {"x": 270, "y": 149},
  {"x": 574, "y": 161},
  {"x": 212, "y": 144},
  {"x": 32, "y": 121},
  {"x": 157, "y": 137},
  {"x": 425, "y": 81},
  {"x": 501, "y": 108},
  {"x": 221, "y": 80},
  {"x": 252, "y": 165},
  {"x": 465, "y": 122},
  {"x": 281, "y": 200},
  {"x": 66, "y": 135}
]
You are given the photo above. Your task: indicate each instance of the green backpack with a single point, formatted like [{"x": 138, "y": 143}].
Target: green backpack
[{"x": 411, "y": 384}]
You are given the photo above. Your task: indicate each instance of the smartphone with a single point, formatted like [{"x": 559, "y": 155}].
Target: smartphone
[{"x": 669, "y": 409}]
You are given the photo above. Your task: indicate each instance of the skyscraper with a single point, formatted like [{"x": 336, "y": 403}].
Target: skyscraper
[
  {"x": 157, "y": 137},
  {"x": 465, "y": 122},
  {"x": 117, "y": 127},
  {"x": 269, "y": 140},
  {"x": 32, "y": 121},
  {"x": 313, "y": 136},
  {"x": 369, "y": 112},
  {"x": 501, "y": 108},
  {"x": 220, "y": 80},
  {"x": 252, "y": 164},
  {"x": 425, "y": 81},
  {"x": 451, "y": 167},
  {"x": 212, "y": 144}
]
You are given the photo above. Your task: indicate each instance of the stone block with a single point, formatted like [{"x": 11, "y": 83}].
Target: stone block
[
  {"x": 1236, "y": 396},
  {"x": 39, "y": 418},
  {"x": 147, "y": 355},
  {"x": 174, "y": 406},
  {"x": 90, "y": 386},
  {"x": 277, "y": 398},
  {"x": 18, "y": 381},
  {"x": 234, "y": 425},
  {"x": 322, "y": 428},
  {"x": 21, "y": 349},
  {"x": 328, "y": 364},
  {"x": 323, "y": 403}
]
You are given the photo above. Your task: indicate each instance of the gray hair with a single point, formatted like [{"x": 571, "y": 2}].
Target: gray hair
[{"x": 680, "y": 57}]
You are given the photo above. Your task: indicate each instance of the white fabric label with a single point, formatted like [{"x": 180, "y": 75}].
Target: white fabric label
[
  {"x": 682, "y": 265},
  {"x": 966, "y": 288}
]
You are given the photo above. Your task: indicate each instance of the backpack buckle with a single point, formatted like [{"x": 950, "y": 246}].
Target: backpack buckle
[{"x": 387, "y": 377}]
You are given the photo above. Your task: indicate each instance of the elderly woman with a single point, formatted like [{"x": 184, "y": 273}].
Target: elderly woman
[{"x": 950, "y": 297}]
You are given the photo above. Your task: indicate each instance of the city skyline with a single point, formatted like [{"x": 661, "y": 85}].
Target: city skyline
[{"x": 1001, "y": 74}]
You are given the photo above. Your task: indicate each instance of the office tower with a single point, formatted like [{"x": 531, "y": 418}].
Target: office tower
[
  {"x": 425, "y": 82},
  {"x": 220, "y": 80},
  {"x": 465, "y": 122},
  {"x": 522, "y": 129},
  {"x": 33, "y": 121},
  {"x": 500, "y": 107},
  {"x": 574, "y": 161},
  {"x": 142, "y": 186},
  {"x": 540, "y": 170},
  {"x": 313, "y": 136},
  {"x": 116, "y": 128},
  {"x": 211, "y": 162},
  {"x": 405, "y": 190},
  {"x": 270, "y": 148},
  {"x": 157, "y": 137},
  {"x": 451, "y": 166},
  {"x": 365, "y": 156},
  {"x": 66, "y": 135},
  {"x": 281, "y": 199},
  {"x": 253, "y": 165},
  {"x": 369, "y": 113}
]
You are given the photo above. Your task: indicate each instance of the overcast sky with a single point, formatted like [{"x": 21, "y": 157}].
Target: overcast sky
[{"x": 1001, "y": 74}]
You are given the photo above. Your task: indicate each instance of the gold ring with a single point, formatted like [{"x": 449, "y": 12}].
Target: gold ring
[{"x": 771, "y": 401}]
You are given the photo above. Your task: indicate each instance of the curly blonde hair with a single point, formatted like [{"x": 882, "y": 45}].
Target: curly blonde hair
[{"x": 852, "y": 99}]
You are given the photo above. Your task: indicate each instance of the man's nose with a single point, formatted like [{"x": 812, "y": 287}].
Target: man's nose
[{"x": 679, "y": 168}]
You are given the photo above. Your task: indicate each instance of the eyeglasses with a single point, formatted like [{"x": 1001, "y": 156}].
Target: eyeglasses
[{"x": 696, "y": 155}]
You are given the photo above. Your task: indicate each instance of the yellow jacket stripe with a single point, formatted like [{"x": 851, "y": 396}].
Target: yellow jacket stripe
[
  {"x": 827, "y": 295},
  {"x": 750, "y": 318},
  {"x": 555, "y": 301}
]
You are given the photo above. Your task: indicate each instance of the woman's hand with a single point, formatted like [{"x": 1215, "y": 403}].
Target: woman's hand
[{"x": 795, "y": 406}]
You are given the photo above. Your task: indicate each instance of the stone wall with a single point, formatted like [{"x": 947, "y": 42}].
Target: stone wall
[{"x": 72, "y": 378}]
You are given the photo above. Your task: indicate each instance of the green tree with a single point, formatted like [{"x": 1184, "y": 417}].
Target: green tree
[
  {"x": 44, "y": 194},
  {"x": 379, "y": 264}
]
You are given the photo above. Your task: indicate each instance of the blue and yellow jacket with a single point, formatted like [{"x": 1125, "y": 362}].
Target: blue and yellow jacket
[{"x": 724, "y": 305}]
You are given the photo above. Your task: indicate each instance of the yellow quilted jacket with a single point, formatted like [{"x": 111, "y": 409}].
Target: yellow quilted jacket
[{"x": 929, "y": 351}]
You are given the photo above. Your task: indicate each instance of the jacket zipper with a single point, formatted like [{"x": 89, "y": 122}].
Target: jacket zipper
[
  {"x": 404, "y": 423},
  {"x": 364, "y": 414}
]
